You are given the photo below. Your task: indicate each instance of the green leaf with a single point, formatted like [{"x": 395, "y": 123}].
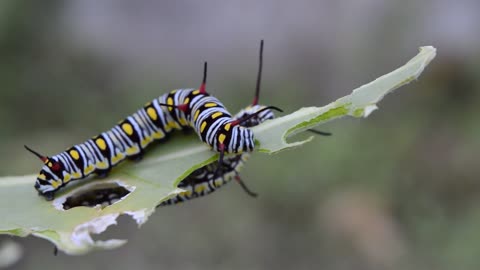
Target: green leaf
[{"x": 155, "y": 178}]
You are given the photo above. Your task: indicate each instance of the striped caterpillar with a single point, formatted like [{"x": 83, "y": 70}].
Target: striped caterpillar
[
  {"x": 177, "y": 110},
  {"x": 205, "y": 180}
]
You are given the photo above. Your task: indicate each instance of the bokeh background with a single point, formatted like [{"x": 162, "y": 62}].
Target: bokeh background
[{"x": 399, "y": 190}]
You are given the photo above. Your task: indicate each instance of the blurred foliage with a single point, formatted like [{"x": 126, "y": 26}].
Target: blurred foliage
[{"x": 418, "y": 210}]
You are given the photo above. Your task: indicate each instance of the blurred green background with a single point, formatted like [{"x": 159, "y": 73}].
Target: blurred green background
[{"x": 399, "y": 190}]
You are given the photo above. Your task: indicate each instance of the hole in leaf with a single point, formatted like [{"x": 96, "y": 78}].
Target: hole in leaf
[
  {"x": 125, "y": 224},
  {"x": 102, "y": 195}
]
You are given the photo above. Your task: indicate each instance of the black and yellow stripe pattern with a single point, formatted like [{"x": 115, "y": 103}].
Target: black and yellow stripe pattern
[
  {"x": 204, "y": 180},
  {"x": 129, "y": 138},
  {"x": 179, "y": 109}
]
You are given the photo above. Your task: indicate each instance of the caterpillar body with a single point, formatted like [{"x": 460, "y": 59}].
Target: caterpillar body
[
  {"x": 205, "y": 180},
  {"x": 179, "y": 109},
  {"x": 204, "y": 113}
]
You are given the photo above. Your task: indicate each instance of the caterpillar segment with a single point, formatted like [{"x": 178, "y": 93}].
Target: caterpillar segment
[
  {"x": 203, "y": 181},
  {"x": 128, "y": 139},
  {"x": 206, "y": 179}
]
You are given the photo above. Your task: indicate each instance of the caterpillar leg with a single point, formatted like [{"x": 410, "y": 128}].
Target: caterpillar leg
[
  {"x": 244, "y": 186},
  {"x": 49, "y": 195},
  {"x": 102, "y": 173},
  {"x": 219, "y": 170},
  {"x": 136, "y": 157}
]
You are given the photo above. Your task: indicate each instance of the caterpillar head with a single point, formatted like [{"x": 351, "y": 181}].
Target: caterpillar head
[
  {"x": 261, "y": 117},
  {"x": 232, "y": 138},
  {"x": 235, "y": 136},
  {"x": 49, "y": 178}
]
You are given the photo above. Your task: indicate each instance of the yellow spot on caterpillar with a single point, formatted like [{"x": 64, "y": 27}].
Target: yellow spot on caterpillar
[
  {"x": 221, "y": 138},
  {"x": 132, "y": 150},
  {"x": 102, "y": 165},
  {"x": 199, "y": 188},
  {"x": 197, "y": 113},
  {"x": 182, "y": 121},
  {"x": 173, "y": 91},
  {"x": 152, "y": 113},
  {"x": 196, "y": 92},
  {"x": 66, "y": 178},
  {"x": 170, "y": 102},
  {"x": 42, "y": 176},
  {"x": 173, "y": 124},
  {"x": 50, "y": 164},
  {"x": 128, "y": 129},
  {"x": 74, "y": 154},
  {"x": 76, "y": 175},
  {"x": 166, "y": 127},
  {"x": 54, "y": 184},
  {"x": 227, "y": 126},
  {"x": 101, "y": 143},
  {"x": 187, "y": 193},
  {"x": 187, "y": 100},
  {"x": 158, "y": 135},
  {"x": 89, "y": 169},
  {"x": 217, "y": 114},
  {"x": 210, "y": 104},
  {"x": 218, "y": 182},
  {"x": 117, "y": 158},
  {"x": 202, "y": 127},
  {"x": 146, "y": 141}
]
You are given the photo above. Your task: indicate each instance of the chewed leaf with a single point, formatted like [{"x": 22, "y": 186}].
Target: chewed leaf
[
  {"x": 141, "y": 186},
  {"x": 137, "y": 188},
  {"x": 361, "y": 103}
]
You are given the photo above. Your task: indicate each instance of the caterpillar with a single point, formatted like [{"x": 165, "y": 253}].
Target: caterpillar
[
  {"x": 205, "y": 180},
  {"x": 176, "y": 110},
  {"x": 199, "y": 183}
]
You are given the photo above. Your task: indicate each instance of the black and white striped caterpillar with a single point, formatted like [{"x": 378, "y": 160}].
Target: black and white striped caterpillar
[
  {"x": 205, "y": 180},
  {"x": 177, "y": 110}
]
